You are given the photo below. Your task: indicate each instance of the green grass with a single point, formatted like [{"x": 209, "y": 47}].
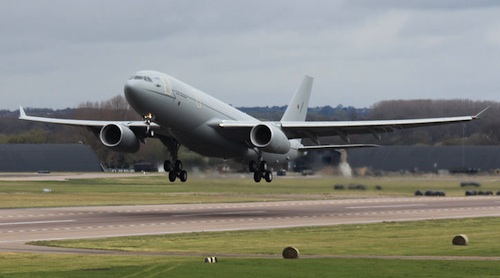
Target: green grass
[
  {"x": 155, "y": 189},
  {"x": 421, "y": 238},
  {"x": 23, "y": 265}
]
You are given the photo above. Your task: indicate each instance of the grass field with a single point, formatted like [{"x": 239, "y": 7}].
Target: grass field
[
  {"x": 155, "y": 189},
  {"x": 326, "y": 251},
  {"x": 27, "y": 265}
]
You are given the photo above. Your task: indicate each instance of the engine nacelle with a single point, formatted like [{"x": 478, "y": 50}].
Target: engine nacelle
[
  {"x": 120, "y": 138},
  {"x": 269, "y": 138}
]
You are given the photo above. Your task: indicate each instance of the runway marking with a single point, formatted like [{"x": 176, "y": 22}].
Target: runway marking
[
  {"x": 221, "y": 213},
  {"x": 387, "y": 206},
  {"x": 36, "y": 222},
  {"x": 339, "y": 215}
]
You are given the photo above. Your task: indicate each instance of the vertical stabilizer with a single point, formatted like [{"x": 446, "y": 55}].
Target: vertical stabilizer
[{"x": 297, "y": 109}]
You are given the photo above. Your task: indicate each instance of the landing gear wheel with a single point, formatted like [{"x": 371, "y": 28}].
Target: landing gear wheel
[
  {"x": 183, "y": 176},
  {"x": 178, "y": 166},
  {"x": 257, "y": 176},
  {"x": 268, "y": 176},
  {"x": 167, "y": 166},
  {"x": 172, "y": 176},
  {"x": 263, "y": 166}
]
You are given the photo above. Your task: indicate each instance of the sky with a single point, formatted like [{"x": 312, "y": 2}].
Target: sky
[{"x": 58, "y": 53}]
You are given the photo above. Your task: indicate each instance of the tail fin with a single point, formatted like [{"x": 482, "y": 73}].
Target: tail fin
[{"x": 297, "y": 109}]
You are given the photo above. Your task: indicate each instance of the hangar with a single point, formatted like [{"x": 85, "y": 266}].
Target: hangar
[
  {"x": 48, "y": 157},
  {"x": 466, "y": 159}
]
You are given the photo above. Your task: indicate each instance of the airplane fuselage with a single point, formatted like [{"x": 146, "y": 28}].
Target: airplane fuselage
[{"x": 190, "y": 114}]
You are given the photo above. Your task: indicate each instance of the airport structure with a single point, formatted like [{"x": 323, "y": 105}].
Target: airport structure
[
  {"x": 48, "y": 158},
  {"x": 410, "y": 159},
  {"x": 425, "y": 159},
  {"x": 459, "y": 159}
]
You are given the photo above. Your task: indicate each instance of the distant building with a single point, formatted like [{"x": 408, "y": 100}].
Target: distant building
[
  {"x": 466, "y": 159},
  {"x": 48, "y": 157}
]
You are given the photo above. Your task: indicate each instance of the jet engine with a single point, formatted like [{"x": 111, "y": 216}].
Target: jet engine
[
  {"x": 269, "y": 138},
  {"x": 120, "y": 138}
]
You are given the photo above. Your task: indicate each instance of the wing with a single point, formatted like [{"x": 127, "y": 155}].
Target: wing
[
  {"x": 314, "y": 130},
  {"x": 136, "y": 126}
]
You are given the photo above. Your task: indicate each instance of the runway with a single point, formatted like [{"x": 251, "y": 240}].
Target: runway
[{"x": 18, "y": 226}]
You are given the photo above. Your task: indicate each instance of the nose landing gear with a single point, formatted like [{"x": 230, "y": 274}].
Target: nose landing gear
[{"x": 148, "y": 118}]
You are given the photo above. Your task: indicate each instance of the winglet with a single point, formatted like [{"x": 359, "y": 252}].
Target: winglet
[
  {"x": 480, "y": 115},
  {"x": 22, "y": 114}
]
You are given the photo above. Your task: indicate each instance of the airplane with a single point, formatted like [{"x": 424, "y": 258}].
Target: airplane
[{"x": 179, "y": 114}]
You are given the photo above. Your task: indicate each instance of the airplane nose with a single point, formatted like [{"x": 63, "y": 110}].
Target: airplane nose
[
  {"x": 132, "y": 93},
  {"x": 130, "y": 89}
]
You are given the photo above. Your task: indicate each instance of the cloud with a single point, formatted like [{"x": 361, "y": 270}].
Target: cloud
[{"x": 60, "y": 53}]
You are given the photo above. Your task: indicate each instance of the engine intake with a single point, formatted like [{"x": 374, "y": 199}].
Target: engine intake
[
  {"x": 120, "y": 138},
  {"x": 269, "y": 138}
]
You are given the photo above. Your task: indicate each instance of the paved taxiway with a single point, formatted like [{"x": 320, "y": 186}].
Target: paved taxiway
[{"x": 18, "y": 226}]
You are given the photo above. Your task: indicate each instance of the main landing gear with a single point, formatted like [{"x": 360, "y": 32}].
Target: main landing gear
[
  {"x": 260, "y": 171},
  {"x": 174, "y": 169}
]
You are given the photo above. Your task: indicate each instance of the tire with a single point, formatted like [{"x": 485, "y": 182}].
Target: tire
[
  {"x": 263, "y": 166},
  {"x": 183, "y": 176},
  {"x": 257, "y": 176},
  {"x": 178, "y": 166},
  {"x": 172, "y": 175},
  {"x": 268, "y": 176}
]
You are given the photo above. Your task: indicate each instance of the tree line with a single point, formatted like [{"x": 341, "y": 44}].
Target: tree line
[{"x": 483, "y": 132}]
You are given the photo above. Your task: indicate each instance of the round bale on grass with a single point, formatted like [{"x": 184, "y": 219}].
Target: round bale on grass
[
  {"x": 460, "y": 240},
  {"x": 290, "y": 253}
]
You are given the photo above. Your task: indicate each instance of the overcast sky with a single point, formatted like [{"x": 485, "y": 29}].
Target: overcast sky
[{"x": 57, "y": 54}]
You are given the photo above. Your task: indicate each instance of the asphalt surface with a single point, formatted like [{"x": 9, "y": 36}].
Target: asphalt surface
[{"x": 18, "y": 226}]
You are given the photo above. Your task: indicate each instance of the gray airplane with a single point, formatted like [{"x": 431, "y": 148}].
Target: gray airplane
[{"x": 179, "y": 114}]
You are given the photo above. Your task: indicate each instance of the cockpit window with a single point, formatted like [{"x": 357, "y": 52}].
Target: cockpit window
[{"x": 139, "y": 77}]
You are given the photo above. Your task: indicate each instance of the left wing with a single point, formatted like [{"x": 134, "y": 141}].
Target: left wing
[
  {"x": 313, "y": 130},
  {"x": 344, "y": 128}
]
